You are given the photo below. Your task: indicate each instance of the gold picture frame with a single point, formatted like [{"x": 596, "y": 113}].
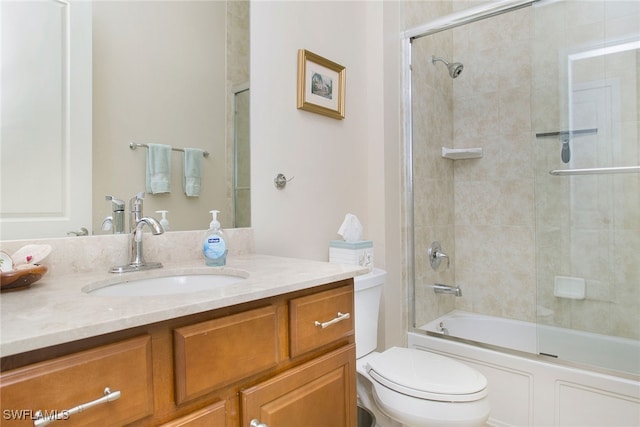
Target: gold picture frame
[{"x": 317, "y": 77}]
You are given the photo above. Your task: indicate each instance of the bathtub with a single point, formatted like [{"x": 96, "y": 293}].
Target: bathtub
[{"x": 541, "y": 375}]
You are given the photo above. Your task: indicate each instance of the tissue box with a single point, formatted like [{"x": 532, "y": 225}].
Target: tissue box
[{"x": 358, "y": 253}]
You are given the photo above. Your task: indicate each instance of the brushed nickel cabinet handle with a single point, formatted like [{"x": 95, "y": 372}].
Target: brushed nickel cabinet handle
[
  {"x": 340, "y": 318},
  {"x": 41, "y": 420}
]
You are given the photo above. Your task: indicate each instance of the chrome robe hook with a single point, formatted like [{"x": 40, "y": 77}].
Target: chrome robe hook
[{"x": 280, "y": 181}]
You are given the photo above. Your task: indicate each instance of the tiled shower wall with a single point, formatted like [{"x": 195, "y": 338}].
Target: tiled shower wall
[
  {"x": 432, "y": 100},
  {"x": 480, "y": 210},
  {"x": 494, "y": 196},
  {"x": 238, "y": 41}
]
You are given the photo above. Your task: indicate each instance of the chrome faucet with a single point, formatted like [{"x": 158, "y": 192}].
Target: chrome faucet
[
  {"x": 136, "y": 223},
  {"x": 439, "y": 288},
  {"x": 115, "y": 222}
]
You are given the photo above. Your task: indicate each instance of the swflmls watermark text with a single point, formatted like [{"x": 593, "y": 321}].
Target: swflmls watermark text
[{"x": 30, "y": 414}]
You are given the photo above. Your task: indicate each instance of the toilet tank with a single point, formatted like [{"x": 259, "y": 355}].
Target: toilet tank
[{"x": 368, "y": 289}]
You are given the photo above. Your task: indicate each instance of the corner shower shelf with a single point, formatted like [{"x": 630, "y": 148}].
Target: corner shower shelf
[{"x": 461, "y": 153}]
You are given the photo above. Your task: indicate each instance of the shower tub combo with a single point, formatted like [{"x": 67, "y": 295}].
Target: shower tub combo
[
  {"x": 515, "y": 214},
  {"x": 538, "y": 375},
  {"x": 529, "y": 382}
]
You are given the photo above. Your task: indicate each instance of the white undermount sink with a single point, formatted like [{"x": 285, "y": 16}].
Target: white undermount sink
[{"x": 165, "y": 285}]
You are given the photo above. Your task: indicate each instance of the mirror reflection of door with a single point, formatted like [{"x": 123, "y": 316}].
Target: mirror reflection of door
[
  {"x": 46, "y": 80},
  {"x": 242, "y": 159}
]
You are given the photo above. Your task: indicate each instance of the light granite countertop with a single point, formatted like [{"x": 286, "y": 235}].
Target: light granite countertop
[{"x": 55, "y": 310}]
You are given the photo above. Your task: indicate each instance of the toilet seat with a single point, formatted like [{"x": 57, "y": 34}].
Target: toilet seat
[{"x": 427, "y": 375}]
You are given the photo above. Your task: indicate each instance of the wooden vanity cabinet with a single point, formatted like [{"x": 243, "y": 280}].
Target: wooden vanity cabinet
[
  {"x": 270, "y": 360},
  {"x": 319, "y": 393}
]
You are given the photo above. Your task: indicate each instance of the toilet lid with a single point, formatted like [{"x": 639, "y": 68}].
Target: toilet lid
[{"x": 427, "y": 375}]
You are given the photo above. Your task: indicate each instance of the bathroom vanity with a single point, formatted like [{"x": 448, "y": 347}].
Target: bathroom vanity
[{"x": 277, "y": 348}]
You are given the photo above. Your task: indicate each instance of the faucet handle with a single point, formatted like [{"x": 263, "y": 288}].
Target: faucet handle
[
  {"x": 436, "y": 255},
  {"x": 107, "y": 224},
  {"x": 117, "y": 204}
]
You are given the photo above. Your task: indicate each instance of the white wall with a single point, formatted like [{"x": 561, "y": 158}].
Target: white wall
[
  {"x": 338, "y": 166},
  {"x": 328, "y": 158}
]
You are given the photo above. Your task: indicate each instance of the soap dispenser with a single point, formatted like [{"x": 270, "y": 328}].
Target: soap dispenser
[
  {"x": 164, "y": 222},
  {"x": 214, "y": 247}
]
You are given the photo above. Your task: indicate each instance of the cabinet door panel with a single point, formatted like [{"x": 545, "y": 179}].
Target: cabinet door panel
[
  {"x": 319, "y": 393},
  {"x": 218, "y": 352},
  {"x": 211, "y": 416}
]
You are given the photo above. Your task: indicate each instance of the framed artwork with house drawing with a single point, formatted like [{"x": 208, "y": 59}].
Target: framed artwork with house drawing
[{"x": 321, "y": 85}]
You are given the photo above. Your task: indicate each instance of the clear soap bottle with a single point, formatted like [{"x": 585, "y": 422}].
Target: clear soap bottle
[
  {"x": 214, "y": 247},
  {"x": 164, "y": 222}
]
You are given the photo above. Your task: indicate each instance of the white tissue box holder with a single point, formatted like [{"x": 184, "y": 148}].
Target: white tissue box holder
[{"x": 357, "y": 253}]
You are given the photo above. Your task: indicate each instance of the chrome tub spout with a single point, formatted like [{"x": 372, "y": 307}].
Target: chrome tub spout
[{"x": 439, "y": 288}]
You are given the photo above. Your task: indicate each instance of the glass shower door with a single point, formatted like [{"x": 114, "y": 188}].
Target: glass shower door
[{"x": 585, "y": 110}]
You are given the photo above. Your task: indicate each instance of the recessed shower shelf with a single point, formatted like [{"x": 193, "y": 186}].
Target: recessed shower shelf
[{"x": 461, "y": 153}]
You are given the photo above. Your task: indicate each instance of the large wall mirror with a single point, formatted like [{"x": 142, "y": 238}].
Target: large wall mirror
[{"x": 82, "y": 80}]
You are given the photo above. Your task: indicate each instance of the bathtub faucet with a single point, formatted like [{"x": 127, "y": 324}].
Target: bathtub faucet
[{"x": 439, "y": 288}]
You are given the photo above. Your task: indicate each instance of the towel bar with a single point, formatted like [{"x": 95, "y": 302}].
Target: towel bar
[
  {"x": 134, "y": 145},
  {"x": 596, "y": 171}
]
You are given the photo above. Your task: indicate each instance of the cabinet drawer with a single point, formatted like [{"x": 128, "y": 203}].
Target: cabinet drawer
[
  {"x": 63, "y": 383},
  {"x": 319, "y": 319},
  {"x": 218, "y": 352}
]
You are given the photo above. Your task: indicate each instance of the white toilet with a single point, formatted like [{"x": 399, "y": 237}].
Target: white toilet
[{"x": 412, "y": 387}]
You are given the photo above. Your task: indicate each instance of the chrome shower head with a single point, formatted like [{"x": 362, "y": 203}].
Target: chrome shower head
[{"x": 455, "y": 68}]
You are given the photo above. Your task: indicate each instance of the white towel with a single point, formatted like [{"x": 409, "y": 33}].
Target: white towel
[
  {"x": 192, "y": 171},
  {"x": 158, "y": 175}
]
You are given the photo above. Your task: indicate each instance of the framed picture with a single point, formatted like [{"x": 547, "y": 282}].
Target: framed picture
[{"x": 320, "y": 85}]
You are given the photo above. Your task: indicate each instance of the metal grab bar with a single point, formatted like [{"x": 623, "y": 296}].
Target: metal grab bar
[
  {"x": 596, "y": 171},
  {"x": 64, "y": 415},
  {"x": 341, "y": 317},
  {"x": 134, "y": 145}
]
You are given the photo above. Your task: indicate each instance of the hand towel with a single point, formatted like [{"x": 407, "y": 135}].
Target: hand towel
[
  {"x": 192, "y": 171},
  {"x": 158, "y": 176}
]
